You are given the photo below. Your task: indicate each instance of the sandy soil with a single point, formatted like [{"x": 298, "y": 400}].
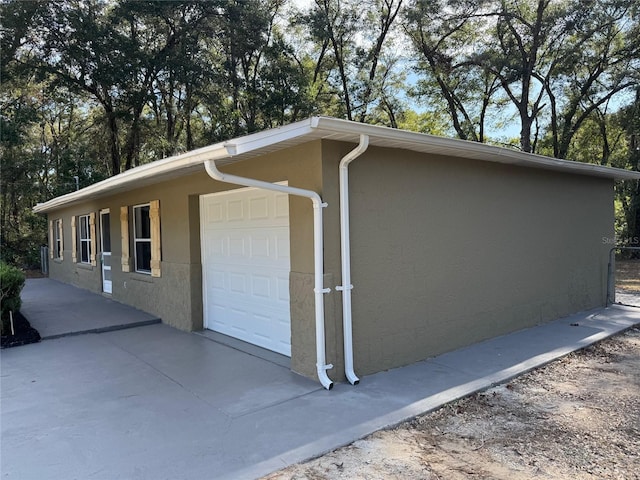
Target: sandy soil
[
  {"x": 628, "y": 275},
  {"x": 628, "y": 282},
  {"x": 577, "y": 418}
]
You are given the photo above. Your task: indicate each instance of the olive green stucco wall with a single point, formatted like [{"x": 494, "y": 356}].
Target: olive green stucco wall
[
  {"x": 82, "y": 275},
  {"x": 447, "y": 252},
  {"x": 176, "y": 297}
]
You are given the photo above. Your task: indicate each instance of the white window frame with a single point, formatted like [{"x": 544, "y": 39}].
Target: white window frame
[
  {"x": 86, "y": 220},
  {"x": 137, "y": 240},
  {"x": 57, "y": 236}
]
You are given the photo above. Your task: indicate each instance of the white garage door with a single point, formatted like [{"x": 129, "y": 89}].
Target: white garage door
[{"x": 245, "y": 263}]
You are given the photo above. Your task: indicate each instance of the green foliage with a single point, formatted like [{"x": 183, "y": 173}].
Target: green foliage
[
  {"x": 94, "y": 87},
  {"x": 431, "y": 122},
  {"x": 552, "y": 63},
  {"x": 11, "y": 283},
  {"x": 628, "y": 193},
  {"x": 351, "y": 44}
]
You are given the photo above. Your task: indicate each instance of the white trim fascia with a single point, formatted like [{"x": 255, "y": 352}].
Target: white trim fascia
[
  {"x": 267, "y": 138},
  {"x": 471, "y": 150},
  {"x": 159, "y": 167}
]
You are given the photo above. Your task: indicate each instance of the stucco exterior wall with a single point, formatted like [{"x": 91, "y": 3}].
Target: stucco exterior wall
[
  {"x": 447, "y": 252},
  {"x": 79, "y": 274},
  {"x": 176, "y": 296}
]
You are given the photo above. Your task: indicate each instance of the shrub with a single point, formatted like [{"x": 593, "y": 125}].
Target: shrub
[{"x": 11, "y": 283}]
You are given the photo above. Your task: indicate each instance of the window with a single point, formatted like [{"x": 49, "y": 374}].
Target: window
[
  {"x": 58, "y": 247},
  {"x": 84, "y": 237},
  {"x": 142, "y": 238},
  {"x": 146, "y": 238}
]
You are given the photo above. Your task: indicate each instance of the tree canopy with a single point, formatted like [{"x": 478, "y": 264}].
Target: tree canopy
[{"x": 91, "y": 88}]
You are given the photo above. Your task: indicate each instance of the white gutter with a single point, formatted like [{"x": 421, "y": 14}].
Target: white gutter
[
  {"x": 425, "y": 143},
  {"x": 345, "y": 252},
  {"x": 318, "y": 247},
  {"x": 316, "y": 128}
]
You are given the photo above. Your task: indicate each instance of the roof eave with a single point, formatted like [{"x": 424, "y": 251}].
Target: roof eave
[
  {"x": 480, "y": 151},
  {"x": 326, "y": 128},
  {"x": 137, "y": 175},
  {"x": 239, "y": 148}
]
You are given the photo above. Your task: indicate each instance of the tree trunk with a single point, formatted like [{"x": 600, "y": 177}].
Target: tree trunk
[
  {"x": 114, "y": 143},
  {"x": 525, "y": 131},
  {"x": 132, "y": 148}
]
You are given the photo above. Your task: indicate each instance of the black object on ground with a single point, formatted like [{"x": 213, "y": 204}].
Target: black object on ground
[{"x": 24, "y": 333}]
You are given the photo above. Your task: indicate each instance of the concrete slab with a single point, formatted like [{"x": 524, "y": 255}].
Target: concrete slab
[
  {"x": 58, "y": 309},
  {"x": 155, "y": 403}
]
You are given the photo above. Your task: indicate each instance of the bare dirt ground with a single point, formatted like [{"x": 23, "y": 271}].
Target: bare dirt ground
[
  {"x": 576, "y": 418},
  {"x": 33, "y": 273},
  {"x": 628, "y": 275},
  {"x": 628, "y": 282}
]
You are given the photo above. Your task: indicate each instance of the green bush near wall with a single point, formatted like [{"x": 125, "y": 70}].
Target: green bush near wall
[{"x": 11, "y": 284}]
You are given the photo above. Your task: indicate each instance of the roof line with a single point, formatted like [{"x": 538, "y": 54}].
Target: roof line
[
  {"x": 326, "y": 127},
  {"x": 478, "y": 149},
  {"x": 158, "y": 167}
]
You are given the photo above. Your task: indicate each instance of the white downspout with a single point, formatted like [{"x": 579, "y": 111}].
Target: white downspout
[
  {"x": 318, "y": 247},
  {"x": 345, "y": 253}
]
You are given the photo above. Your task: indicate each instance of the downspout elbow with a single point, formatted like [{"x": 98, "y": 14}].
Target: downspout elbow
[
  {"x": 212, "y": 170},
  {"x": 325, "y": 381},
  {"x": 356, "y": 152}
]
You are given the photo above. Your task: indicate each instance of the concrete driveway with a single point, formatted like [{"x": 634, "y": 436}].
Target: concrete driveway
[
  {"x": 58, "y": 309},
  {"x": 152, "y": 402},
  {"x": 148, "y": 403}
]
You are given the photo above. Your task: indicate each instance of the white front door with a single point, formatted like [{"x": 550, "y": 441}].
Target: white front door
[
  {"x": 245, "y": 266},
  {"x": 105, "y": 247}
]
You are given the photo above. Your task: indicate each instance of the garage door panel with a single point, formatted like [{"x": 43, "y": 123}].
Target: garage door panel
[
  {"x": 265, "y": 298},
  {"x": 269, "y": 248},
  {"x": 213, "y": 213},
  {"x": 282, "y": 248},
  {"x": 264, "y": 331},
  {"x": 237, "y": 283},
  {"x": 227, "y": 318},
  {"x": 253, "y": 287},
  {"x": 268, "y": 208},
  {"x": 261, "y": 286},
  {"x": 283, "y": 289},
  {"x": 281, "y": 206},
  {"x": 246, "y": 264},
  {"x": 253, "y": 307},
  {"x": 260, "y": 247},
  {"x": 236, "y": 247},
  {"x": 217, "y": 247},
  {"x": 235, "y": 210},
  {"x": 259, "y": 208},
  {"x": 218, "y": 280}
]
